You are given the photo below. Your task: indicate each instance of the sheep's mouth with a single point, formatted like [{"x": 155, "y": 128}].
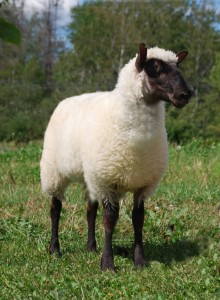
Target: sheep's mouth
[{"x": 178, "y": 102}]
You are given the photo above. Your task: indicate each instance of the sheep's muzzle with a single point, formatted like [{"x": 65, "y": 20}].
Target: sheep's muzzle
[{"x": 181, "y": 99}]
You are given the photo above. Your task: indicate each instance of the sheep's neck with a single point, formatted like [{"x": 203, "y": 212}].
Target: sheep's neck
[{"x": 146, "y": 119}]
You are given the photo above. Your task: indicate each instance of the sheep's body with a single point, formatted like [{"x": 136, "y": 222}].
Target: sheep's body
[
  {"x": 113, "y": 142},
  {"x": 109, "y": 140}
]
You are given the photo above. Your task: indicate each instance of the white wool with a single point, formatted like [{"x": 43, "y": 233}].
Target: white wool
[
  {"x": 110, "y": 141},
  {"x": 165, "y": 55}
]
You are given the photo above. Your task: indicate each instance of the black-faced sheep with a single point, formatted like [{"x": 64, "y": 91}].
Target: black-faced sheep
[{"x": 114, "y": 142}]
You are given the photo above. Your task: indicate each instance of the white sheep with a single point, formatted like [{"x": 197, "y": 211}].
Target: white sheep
[{"x": 114, "y": 142}]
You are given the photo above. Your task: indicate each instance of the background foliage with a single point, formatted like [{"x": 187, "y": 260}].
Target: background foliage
[{"x": 103, "y": 36}]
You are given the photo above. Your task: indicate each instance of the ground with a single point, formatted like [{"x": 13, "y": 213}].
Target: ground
[{"x": 181, "y": 234}]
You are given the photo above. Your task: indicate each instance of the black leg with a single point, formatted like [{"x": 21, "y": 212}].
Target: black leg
[
  {"x": 138, "y": 222},
  {"x": 110, "y": 217},
  {"x": 91, "y": 217},
  {"x": 56, "y": 206}
]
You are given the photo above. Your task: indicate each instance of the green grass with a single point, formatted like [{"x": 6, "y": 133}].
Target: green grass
[{"x": 182, "y": 264}]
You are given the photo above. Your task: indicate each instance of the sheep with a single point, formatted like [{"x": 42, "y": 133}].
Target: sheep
[{"x": 114, "y": 142}]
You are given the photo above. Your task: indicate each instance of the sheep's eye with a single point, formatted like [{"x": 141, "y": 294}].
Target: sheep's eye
[
  {"x": 153, "y": 68},
  {"x": 157, "y": 67}
]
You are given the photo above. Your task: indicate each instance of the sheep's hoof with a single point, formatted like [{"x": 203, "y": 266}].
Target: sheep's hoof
[
  {"x": 57, "y": 252},
  {"x": 91, "y": 247},
  {"x": 55, "y": 249},
  {"x": 140, "y": 264},
  {"x": 139, "y": 260},
  {"x": 107, "y": 264}
]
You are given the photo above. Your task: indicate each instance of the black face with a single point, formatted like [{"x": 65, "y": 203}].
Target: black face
[{"x": 167, "y": 83}]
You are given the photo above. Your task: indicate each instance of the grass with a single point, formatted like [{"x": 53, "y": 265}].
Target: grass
[{"x": 183, "y": 263}]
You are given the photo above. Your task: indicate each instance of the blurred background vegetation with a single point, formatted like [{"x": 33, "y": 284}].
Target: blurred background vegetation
[{"x": 42, "y": 69}]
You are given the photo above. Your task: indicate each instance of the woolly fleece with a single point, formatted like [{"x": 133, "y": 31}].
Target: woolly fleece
[{"x": 113, "y": 142}]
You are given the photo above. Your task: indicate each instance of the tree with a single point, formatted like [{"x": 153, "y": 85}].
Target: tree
[
  {"x": 200, "y": 40},
  {"x": 26, "y": 74},
  {"x": 212, "y": 104},
  {"x": 104, "y": 36}
]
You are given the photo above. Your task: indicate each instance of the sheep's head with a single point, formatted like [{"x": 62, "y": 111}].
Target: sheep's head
[{"x": 162, "y": 75}]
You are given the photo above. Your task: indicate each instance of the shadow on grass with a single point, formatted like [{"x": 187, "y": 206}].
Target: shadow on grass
[{"x": 167, "y": 252}]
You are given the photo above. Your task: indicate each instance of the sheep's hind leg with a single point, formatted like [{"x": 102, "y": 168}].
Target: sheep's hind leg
[
  {"x": 55, "y": 210},
  {"x": 91, "y": 217},
  {"x": 110, "y": 217},
  {"x": 138, "y": 222}
]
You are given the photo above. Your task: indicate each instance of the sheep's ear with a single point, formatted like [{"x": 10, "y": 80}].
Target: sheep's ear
[
  {"x": 181, "y": 56},
  {"x": 141, "y": 59}
]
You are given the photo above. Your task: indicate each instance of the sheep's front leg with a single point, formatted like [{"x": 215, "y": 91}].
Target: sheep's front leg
[
  {"x": 91, "y": 217},
  {"x": 138, "y": 222},
  {"x": 55, "y": 210},
  {"x": 110, "y": 217}
]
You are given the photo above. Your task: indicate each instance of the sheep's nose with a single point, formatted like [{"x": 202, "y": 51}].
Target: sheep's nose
[{"x": 186, "y": 95}]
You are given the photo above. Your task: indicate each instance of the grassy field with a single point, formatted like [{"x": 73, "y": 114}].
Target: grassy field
[{"x": 182, "y": 264}]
